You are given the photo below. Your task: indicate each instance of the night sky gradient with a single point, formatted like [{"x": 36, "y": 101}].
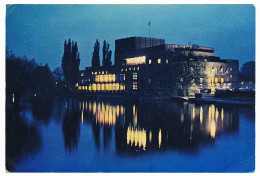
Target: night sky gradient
[{"x": 39, "y": 31}]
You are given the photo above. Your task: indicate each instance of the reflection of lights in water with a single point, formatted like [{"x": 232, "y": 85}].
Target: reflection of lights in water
[
  {"x": 201, "y": 115},
  {"x": 136, "y": 137},
  {"x": 150, "y": 136},
  {"x": 13, "y": 98},
  {"x": 82, "y": 116},
  {"x": 209, "y": 112},
  {"x": 117, "y": 110},
  {"x": 193, "y": 113},
  {"x": 213, "y": 129},
  {"x": 216, "y": 114},
  {"x": 182, "y": 118},
  {"x": 222, "y": 114},
  {"x": 160, "y": 138}
]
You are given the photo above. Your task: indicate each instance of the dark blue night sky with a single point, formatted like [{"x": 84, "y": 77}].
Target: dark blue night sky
[{"x": 39, "y": 31}]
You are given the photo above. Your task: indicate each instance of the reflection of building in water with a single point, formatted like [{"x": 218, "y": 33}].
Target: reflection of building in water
[
  {"x": 104, "y": 113},
  {"x": 171, "y": 125}
]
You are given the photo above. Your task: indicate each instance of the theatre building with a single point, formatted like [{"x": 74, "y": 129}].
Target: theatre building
[{"x": 149, "y": 66}]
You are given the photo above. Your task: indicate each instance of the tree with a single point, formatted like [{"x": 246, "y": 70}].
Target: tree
[
  {"x": 188, "y": 73},
  {"x": 19, "y": 74},
  {"x": 247, "y": 72},
  {"x": 106, "y": 54},
  {"x": 95, "y": 57},
  {"x": 70, "y": 63}
]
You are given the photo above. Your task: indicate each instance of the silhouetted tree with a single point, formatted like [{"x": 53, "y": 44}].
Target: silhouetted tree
[
  {"x": 247, "y": 72},
  {"x": 19, "y": 74},
  {"x": 70, "y": 63},
  {"x": 106, "y": 54},
  {"x": 187, "y": 73},
  {"x": 95, "y": 57},
  {"x": 42, "y": 80}
]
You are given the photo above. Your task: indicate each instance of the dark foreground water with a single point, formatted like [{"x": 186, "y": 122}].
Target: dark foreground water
[{"x": 66, "y": 135}]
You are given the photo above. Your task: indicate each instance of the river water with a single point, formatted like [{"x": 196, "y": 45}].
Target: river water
[{"x": 54, "y": 134}]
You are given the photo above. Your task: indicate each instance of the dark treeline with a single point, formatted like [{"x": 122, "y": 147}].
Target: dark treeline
[
  {"x": 247, "y": 72},
  {"x": 26, "y": 76}
]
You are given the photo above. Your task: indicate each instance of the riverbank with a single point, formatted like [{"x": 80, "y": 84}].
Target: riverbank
[{"x": 234, "y": 101}]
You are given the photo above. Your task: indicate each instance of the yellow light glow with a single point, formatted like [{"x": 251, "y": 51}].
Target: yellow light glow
[
  {"x": 213, "y": 129},
  {"x": 79, "y": 87},
  {"x": 201, "y": 115},
  {"x": 136, "y": 137},
  {"x": 150, "y": 61},
  {"x": 135, "y": 60},
  {"x": 159, "y": 61},
  {"x": 222, "y": 80},
  {"x": 216, "y": 80},
  {"x": 160, "y": 138},
  {"x": 150, "y": 136},
  {"x": 166, "y": 61}
]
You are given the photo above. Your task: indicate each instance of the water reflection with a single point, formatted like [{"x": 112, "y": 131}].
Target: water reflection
[
  {"x": 71, "y": 126},
  {"x": 42, "y": 108},
  {"x": 150, "y": 126},
  {"x": 22, "y": 139}
]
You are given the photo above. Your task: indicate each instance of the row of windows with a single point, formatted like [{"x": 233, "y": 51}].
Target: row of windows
[
  {"x": 103, "y": 87},
  {"x": 159, "y": 61},
  {"x": 130, "y": 69},
  {"x": 99, "y": 72}
]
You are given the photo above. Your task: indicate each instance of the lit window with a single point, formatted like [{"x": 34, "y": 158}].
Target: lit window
[
  {"x": 102, "y": 72},
  {"x": 134, "y": 68},
  {"x": 92, "y": 73},
  {"x": 216, "y": 80},
  {"x": 95, "y": 73},
  {"x": 205, "y": 60},
  {"x": 126, "y": 69},
  {"x": 222, "y": 80},
  {"x": 99, "y": 72},
  {"x": 159, "y": 61},
  {"x": 106, "y": 72},
  {"x": 82, "y": 74},
  {"x": 76, "y": 84},
  {"x": 122, "y": 70},
  {"x": 134, "y": 76},
  {"x": 129, "y": 68},
  {"x": 201, "y": 80},
  {"x": 166, "y": 61},
  {"x": 137, "y": 68},
  {"x": 230, "y": 69},
  {"x": 134, "y": 85},
  {"x": 135, "y": 60},
  {"x": 150, "y": 61},
  {"x": 230, "y": 76}
]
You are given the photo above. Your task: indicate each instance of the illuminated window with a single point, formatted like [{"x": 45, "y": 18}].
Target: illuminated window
[
  {"x": 106, "y": 72},
  {"x": 95, "y": 73},
  {"x": 201, "y": 80},
  {"x": 79, "y": 87},
  {"x": 125, "y": 69},
  {"x": 222, "y": 80},
  {"x": 216, "y": 80},
  {"x": 230, "y": 69},
  {"x": 166, "y": 61},
  {"x": 76, "y": 84},
  {"x": 86, "y": 87},
  {"x": 134, "y": 76},
  {"x": 92, "y": 73},
  {"x": 129, "y": 68},
  {"x": 122, "y": 69},
  {"x": 205, "y": 60},
  {"x": 82, "y": 74},
  {"x": 99, "y": 72},
  {"x": 230, "y": 76},
  {"x": 136, "y": 60},
  {"x": 102, "y": 72},
  {"x": 137, "y": 68},
  {"x": 150, "y": 61},
  {"x": 134, "y": 68},
  {"x": 134, "y": 85},
  {"x": 159, "y": 61}
]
